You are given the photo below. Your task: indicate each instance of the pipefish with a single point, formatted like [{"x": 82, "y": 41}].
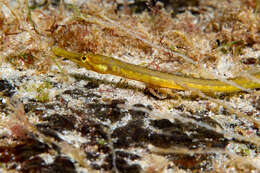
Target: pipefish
[{"x": 109, "y": 65}]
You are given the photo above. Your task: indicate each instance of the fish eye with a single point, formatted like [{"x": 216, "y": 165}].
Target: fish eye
[{"x": 83, "y": 58}]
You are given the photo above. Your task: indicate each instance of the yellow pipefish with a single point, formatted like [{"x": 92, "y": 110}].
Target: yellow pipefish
[{"x": 109, "y": 65}]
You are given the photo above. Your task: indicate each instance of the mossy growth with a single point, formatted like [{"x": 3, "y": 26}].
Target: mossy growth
[
  {"x": 21, "y": 60},
  {"x": 41, "y": 90}
]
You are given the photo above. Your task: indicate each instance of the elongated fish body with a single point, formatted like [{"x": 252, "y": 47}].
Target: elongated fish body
[{"x": 109, "y": 65}]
